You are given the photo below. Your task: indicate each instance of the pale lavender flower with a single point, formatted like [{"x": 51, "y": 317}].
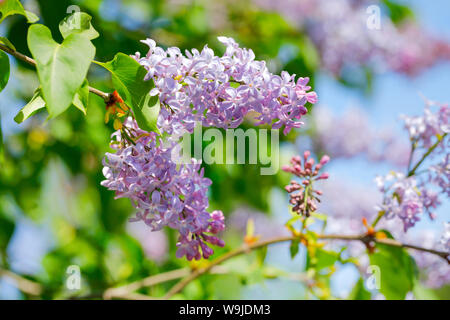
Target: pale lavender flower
[
  {"x": 340, "y": 32},
  {"x": 356, "y": 136},
  {"x": 163, "y": 193},
  {"x": 220, "y": 91},
  {"x": 445, "y": 239}
]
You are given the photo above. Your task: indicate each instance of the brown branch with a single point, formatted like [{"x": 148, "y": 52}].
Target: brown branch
[
  {"x": 124, "y": 291},
  {"x": 23, "y": 284},
  {"x": 246, "y": 248},
  {"x": 105, "y": 96}
]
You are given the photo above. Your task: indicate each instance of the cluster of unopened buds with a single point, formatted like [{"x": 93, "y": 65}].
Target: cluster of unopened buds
[{"x": 303, "y": 197}]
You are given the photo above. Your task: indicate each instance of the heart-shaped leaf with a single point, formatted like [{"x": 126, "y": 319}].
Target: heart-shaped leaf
[
  {"x": 78, "y": 22},
  {"x": 128, "y": 79},
  {"x": 62, "y": 68},
  {"x": 11, "y": 7}
]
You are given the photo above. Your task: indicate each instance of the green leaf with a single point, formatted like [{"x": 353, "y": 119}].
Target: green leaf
[
  {"x": 294, "y": 248},
  {"x": 11, "y": 7},
  {"x": 62, "y": 68},
  {"x": 398, "y": 12},
  {"x": 7, "y": 43},
  {"x": 325, "y": 258},
  {"x": 78, "y": 22},
  {"x": 359, "y": 292},
  {"x": 4, "y": 70},
  {"x": 128, "y": 79},
  {"x": 319, "y": 259},
  {"x": 81, "y": 99},
  {"x": 424, "y": 293},
  {"x": 6, "y": 231},
  {"x": 397, "y": 271},
  {"x": 36, "y": 103},
  {"x": 1, "y": 142},
  {"x": 31, "y": 17}
]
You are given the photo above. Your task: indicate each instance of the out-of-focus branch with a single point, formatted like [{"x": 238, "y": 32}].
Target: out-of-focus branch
[
  {"x": 246, "y": 248},
  {"x": 105, "y": 96},
  {"x": 25, "y": 285},
  {"x": 124, "y": 291}
]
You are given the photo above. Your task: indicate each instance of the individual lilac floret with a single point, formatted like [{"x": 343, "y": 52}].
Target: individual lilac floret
[
  {"x": 221, "y": 91},
  {"x": 303, "y": 196},
  {"x": 163, "y": 193}
]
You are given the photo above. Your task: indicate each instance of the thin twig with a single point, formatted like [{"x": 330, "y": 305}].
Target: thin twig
[
  {"x": 105, "y": 96},
  {"x": 430, "y": 150},
  {"x": 23, "y": 284},
  {"x": 246, "y": 248},
  {"x": 146, "y": 282}
]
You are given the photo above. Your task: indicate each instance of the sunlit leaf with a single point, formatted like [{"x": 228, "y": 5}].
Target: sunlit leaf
[
  {"x": 397, "y": 271},
  {"x": 61, "y": 68},
  {"x": 11, "y": 7},
  {"x": 36, "y": 103},
  {"x": 80, "y": 23},
  {"x": 128, "y": 79},
  {"x": 81, "y": 98}
]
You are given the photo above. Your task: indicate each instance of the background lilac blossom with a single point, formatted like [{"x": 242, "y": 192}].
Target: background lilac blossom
[{"x": 339, "y": 30}]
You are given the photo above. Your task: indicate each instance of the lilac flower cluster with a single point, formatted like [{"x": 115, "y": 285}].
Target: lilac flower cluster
[
  {"x": 356, "y": 137},
  {"x": 406, "y": 199},
  {"x": 163, "y": 193},
  {"x": 439, "y": 174},
  {"x": 220, "y": 91},
  {"x": 303, "y": 196},
  {"x": 340, "y": 32},
  {"x": 425, "y": 128}
]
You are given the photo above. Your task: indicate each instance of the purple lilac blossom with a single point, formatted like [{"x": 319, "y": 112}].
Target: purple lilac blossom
[
  {"x": 220, "y": 91},
  {"x": 440, "y": 174},
  {"x": 356, "y": 136},
  {"x": 424, "y": 128},
  {"x": 340, "y": 31},
  {"x": 163, "y": 193},
  {"x": 445, "y": 238}
]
